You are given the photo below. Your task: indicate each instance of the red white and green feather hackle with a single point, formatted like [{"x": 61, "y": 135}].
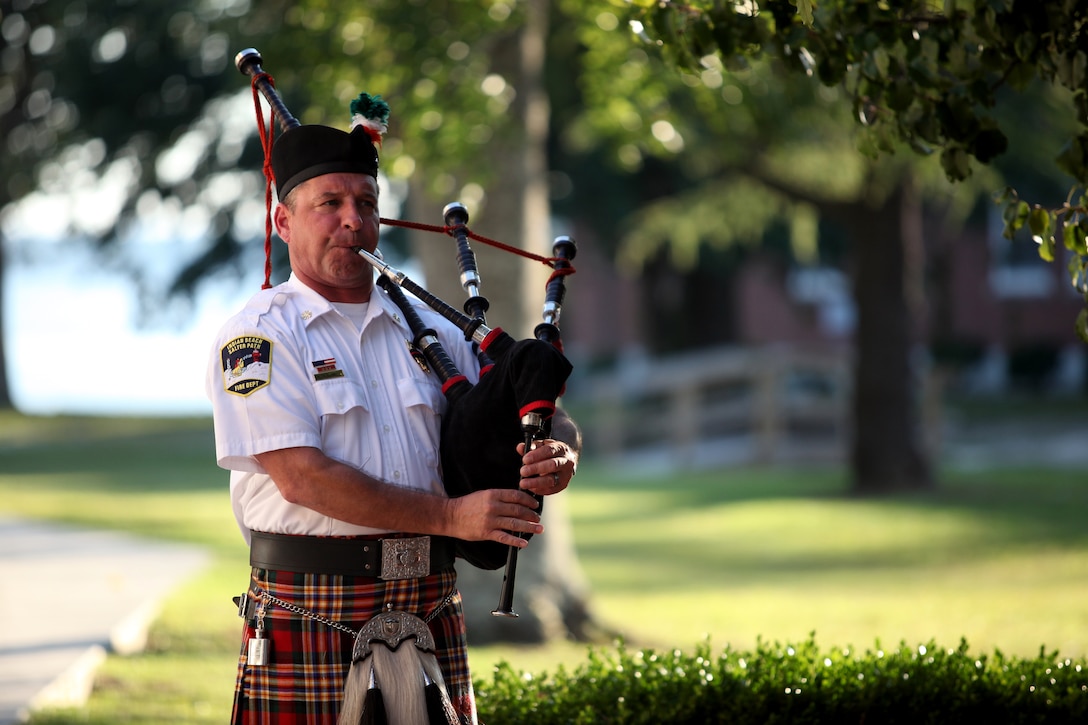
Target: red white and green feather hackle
[{"x": 372, "y": 113}]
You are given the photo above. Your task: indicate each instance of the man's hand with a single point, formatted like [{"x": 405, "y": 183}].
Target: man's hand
[
  {"x": 496, "y": 514},
  {"x": 548, "y": 468}
]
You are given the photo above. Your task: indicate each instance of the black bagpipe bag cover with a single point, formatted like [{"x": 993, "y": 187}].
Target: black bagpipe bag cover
[{"x": 482, "y": 427}]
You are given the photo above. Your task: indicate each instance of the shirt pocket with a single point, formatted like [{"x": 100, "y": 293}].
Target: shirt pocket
[
  {"x": 338, "y": 396},
  {"x": 344, "y": 411},
  {"x": 424, "y": 405}
]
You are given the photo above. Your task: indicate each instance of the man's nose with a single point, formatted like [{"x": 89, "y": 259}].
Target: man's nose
[{"x": 352, "y": 217}]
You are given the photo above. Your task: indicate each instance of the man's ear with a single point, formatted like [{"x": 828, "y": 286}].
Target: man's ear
[{"x": 282, "y": 220}]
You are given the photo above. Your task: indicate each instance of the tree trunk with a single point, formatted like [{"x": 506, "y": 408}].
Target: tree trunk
[
  {"x": 550, "y": 596},
  {"x": 887, "y": 453}
]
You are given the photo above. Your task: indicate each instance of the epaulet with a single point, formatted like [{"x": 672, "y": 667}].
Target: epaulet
[{"x": 264, "y": 301}]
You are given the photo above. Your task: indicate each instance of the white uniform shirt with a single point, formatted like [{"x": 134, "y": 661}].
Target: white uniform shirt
[{"x": 290, "y": 370}]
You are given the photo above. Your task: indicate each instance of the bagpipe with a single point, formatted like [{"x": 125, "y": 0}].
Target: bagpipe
[{"x": 514, "y": 399}]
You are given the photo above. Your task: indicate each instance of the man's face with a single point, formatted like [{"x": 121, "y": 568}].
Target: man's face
[{"x": 329, "y": 216}]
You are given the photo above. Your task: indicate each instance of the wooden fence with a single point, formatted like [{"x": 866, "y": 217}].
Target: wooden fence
[{"x": 720, "y": 405}]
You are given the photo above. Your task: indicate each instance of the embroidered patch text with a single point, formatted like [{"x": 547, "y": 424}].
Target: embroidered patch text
[{"x": 247, "y": 364}]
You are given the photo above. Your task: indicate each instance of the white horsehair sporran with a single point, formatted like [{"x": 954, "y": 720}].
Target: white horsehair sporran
[{"x": 394, "y": 677}]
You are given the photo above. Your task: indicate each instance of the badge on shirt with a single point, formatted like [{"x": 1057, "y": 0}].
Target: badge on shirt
[
  {"x": 418, "y": 356},
  {"x": 247, "y": 364}
]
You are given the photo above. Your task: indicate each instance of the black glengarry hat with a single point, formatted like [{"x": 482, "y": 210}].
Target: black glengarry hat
[{"x": 304, "y": 152}]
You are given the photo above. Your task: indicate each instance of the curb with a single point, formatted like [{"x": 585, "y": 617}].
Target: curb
[
  {"x": 71, "y": 597},
  {"x": 72, "y": 687}
]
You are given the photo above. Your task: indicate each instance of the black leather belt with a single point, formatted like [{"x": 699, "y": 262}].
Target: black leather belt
[{"x": 397, "y": 557}]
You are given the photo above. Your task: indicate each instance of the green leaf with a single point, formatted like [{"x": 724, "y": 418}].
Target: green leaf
[
  {"x": 1015, "y": 214},
  {"x": 867, "y": 144},
  {"x": 927, "y": 127},
  {"x": 804, "y": 9},
  {"x": 1025, "y": 46},
  {"x": 1069, "y": 237},
  {"x": 1046, "y": 247},
  {"x": 1073, "y": 158},
  {"x": 900, "y": 95},
  {"x": 1082, "y": 325},
  {"x": 1039, "y": 222},
  {"x": 956, "y": 163}
]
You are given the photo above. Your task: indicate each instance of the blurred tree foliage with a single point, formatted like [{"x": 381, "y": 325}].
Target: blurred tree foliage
[
  {"x": 89, "y": 93},
  {"x": 927, "y": 74},
  {"x": 759, "y": 110}
]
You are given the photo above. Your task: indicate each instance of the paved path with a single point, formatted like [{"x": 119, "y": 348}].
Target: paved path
[{"x": 67, "y": 597}]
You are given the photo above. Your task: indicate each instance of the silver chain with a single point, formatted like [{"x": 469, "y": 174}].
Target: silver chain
[{"x": 336, "y": 625}]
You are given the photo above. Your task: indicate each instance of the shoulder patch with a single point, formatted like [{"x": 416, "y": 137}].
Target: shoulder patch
[{"x": 247, "y": 364}]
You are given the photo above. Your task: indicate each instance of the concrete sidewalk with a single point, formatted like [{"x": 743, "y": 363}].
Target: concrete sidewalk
[{"x": 67, "y": 597}]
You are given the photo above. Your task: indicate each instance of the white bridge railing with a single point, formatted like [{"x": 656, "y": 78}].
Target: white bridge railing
[{"x": 720, "y": 406}]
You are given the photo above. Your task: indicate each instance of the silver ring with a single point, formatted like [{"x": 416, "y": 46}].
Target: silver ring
[{"x": 555, "y": 477}]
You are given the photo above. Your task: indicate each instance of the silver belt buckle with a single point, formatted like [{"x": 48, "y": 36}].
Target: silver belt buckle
[{"x": 406, "y": 558}]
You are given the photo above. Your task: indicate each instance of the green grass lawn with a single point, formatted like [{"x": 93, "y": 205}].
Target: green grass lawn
[{"x": 997, "y": 557}]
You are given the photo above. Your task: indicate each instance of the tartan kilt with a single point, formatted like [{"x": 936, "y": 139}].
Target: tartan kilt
[{"x": 308, "y": 661}]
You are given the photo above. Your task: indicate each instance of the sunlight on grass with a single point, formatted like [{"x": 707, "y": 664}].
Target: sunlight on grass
[{"x": 861, "y": 608}]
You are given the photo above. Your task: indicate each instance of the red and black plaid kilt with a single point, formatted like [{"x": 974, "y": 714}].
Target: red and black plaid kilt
[{"x": 303, "y": 682}]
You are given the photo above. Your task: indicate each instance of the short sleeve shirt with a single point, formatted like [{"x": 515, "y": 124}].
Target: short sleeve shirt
[{"x": 290, "y": 370}]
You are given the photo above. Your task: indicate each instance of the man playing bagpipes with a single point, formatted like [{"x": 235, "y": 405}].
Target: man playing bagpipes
[{"x": 329, "y": 423}]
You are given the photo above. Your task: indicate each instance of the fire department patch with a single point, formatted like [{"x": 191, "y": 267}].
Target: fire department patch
[{"x": 247, "y": 364}]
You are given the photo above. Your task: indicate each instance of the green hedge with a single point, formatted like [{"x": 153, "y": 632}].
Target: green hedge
[{"x": 793, "y": 684}]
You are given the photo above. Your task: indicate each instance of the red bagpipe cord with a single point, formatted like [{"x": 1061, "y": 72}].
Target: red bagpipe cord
[
  {"x": 267, "y": 136},
  {"x": 448, "y": 230}
]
